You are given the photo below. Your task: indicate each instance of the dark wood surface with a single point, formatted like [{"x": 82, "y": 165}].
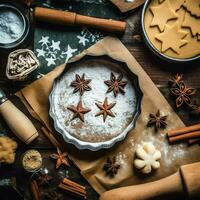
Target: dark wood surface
[{"x": 158, "y": 70}]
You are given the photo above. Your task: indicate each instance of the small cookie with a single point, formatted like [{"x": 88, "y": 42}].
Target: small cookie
[
  {"x": 162, "y": 14},
  {"x": 193, "y": 23},
  {"x": 172, "y": 38},
  {"x": 147, "y": 158},
  {"x": 193, "y": 6}
]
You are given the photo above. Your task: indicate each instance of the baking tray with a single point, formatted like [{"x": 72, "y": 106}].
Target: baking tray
[{"x": 92, "y": 61}]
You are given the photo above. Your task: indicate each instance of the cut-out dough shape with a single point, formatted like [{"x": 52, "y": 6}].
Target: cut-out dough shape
[
  {"x": 161, "y": 14},
  {"x": 172, "y": 38},
  {"x": 147, "y": 158},
  {"x": 193, "y": 6},
  {"x": 176, "y": 4},
  {"x": 193, "y": 23}
]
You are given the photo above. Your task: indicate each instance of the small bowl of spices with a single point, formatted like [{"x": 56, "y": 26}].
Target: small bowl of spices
[
  {"x": 14, "y": 26},
  {"x": 171, "y": 29},
  {"x": 20, "y": 64},
  {"x": 32, "y": 160}
]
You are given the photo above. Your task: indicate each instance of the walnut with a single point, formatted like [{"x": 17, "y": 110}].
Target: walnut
[
  {"x": 147, "y": 158},
  {"x": 7, "y": 150}
]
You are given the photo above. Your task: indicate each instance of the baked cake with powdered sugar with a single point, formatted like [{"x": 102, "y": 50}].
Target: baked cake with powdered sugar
[{"x": 92, "y": 126}]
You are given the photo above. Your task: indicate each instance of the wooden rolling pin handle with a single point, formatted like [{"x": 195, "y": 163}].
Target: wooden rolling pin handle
[
  {"x": 70, "y": 18},
  {"x": 185, "y": 182},
  {"x": 169, "y": 185},
  {"x": 18, "y": 122}
]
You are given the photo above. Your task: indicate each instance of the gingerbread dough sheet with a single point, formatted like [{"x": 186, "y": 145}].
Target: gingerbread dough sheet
[{"x": 183, "y": 43}]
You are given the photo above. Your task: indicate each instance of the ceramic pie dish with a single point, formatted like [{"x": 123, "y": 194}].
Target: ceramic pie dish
[{"x": 95, "y": 133}]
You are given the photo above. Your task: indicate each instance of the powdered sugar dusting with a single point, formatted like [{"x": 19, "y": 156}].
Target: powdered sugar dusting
[{"x": 93, "y": 129}]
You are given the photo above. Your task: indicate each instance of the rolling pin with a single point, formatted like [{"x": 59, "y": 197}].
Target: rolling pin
[
  {"x": 17, "y": 121},
  {"x": 184, "y": 182},
  {"x": 73, "y": 19}
]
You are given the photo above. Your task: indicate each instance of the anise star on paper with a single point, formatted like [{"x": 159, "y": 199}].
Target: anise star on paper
[
  {"x": 161, "y": 14},
  {"x": 81, "y": 84},
  {"x": 116, "y": 84},
  {"x": 174, "y": 32},
  {"x": 105, "y": 109},
  {"x": 183, "y": 94},
  {"x": 176, "y": 80},
  {"x": 111, "y": 167},
  {"x": 157, "y": 120},
  {"x": 78, "y": 111},
  {"x": 61, "y": 158}
]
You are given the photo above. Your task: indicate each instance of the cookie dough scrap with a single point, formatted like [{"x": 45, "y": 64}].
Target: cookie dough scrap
[
  {"x": 193, "y": 6},
  {"x": 172, "y": 38},
  {"x": 162, "y": 14},
  {"x": 193, "y": 23},
  {"x": 176, "y": 4}
]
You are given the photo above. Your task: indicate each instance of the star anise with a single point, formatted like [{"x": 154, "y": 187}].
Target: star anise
[
  {"x": 157, "y": 120},
  {"x": 111, "y": 167},
  {"x": 44, "y": 179},
  {"x": 61, "y": 158},
  {"x": 105, "y": 109},
  {"x": 116, "y": 84},
  {"x": 78, "y": 111},
  {"x": 53, "y": 195},
  {"x": 182, "y": 93},
  {"x": 81, "y": 84},
  {"x": 175, "y": 81}
]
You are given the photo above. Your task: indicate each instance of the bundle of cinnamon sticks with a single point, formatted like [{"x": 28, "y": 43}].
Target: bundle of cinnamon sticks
[
  {"x": 73, "y": 188},
  {"x": 191, "y": 134}
]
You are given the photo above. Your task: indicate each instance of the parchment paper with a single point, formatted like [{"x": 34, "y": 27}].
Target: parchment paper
[{"x": 35, "y": 97}]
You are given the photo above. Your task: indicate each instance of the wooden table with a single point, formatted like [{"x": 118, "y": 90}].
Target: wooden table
[{"x": 158, "y": 70}]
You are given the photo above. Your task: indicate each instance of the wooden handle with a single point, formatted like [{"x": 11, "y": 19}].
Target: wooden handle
[
  {"x": 170, "y": 185},
  {"x": 19, "y": 123},
  {"x": 70, "y": 18}
]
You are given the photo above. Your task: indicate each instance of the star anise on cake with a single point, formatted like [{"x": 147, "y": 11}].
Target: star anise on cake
[
  {"x": 78, "y": 111},
  {"x": 182, "y": 94},
  {"x": 81, "y": 84},
  {"x": 157, "y": 120},
  {"x": 176, "y": 80},
  {"x": 105, "y": 109},
  {"x": 111, "y": 167},
  {"x": 61, "y": 158},
  {"x": 116, "y": 84}
]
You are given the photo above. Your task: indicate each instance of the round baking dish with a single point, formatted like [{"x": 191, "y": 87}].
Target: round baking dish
[
  {"x": 58, "y": 100},
  {"x": 26, "y": 26},
  {"x": 155, "y": 50}
]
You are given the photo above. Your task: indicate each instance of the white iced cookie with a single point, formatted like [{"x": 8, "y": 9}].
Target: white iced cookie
[{"x": 147, "y": 158}]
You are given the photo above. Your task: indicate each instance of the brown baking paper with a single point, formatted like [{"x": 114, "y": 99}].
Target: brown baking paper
[
  {"x": 35, "y": 97},
  {"x": 127, "y": 6}
]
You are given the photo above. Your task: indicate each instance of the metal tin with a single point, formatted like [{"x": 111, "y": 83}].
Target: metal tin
[
  {"x": 155, "y": 50},
  {"x": 26, "y": 28},
  {"x": 99, "y": 145}
]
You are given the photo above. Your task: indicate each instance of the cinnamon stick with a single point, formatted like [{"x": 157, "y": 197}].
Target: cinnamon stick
[
  {"x": 35, "y": 190},
  {"x": 186, "y": 136},
  {"x": 180, "y": 131},
  {"x": 72, "y": 190},
  {"x": 50, "y": 136},
  {"x": 70, "y": 18},
  {"x": 73, "y": 184}
]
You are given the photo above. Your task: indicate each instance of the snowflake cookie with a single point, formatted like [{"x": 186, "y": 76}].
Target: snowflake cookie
[{"x": 146, "y": 158}]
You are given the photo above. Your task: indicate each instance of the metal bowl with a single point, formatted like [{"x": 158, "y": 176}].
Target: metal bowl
[
  {"x": 80, "y": 144},
  {"x": 155, "y": 50},
  {"x": 26, "y": 28}
]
